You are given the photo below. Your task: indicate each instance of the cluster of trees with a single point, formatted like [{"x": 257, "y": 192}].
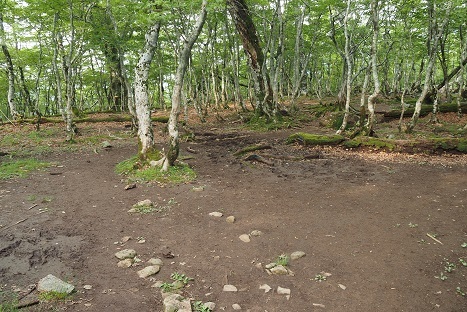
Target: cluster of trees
[{"x": 69, "y": 56}]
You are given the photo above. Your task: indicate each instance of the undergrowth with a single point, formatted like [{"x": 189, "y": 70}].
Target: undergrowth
[{"x": 20, "y": 168}]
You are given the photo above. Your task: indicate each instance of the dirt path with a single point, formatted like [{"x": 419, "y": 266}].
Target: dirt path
[{"x": 363, "y": 220}]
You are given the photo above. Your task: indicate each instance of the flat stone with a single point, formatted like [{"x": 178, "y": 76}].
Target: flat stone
[
  {"x": 125, "y": 239},
  {"x": 270, "y": 265},
  {"x": 157, "y": 284},
  {"x": 125, "y": 254},
  {"x": 256, "y": 233},
  {"x": 230, "y": 288},
  {"x": 342, "y": 286},
  {"x": 155, "y": 261},
  {"x": 230, "y": 219},
  {"x": 176, "y": 303},
  {"x": 297, "y": 255},
  {"x": 245, "y": 238},
  {"x": 87, "y": 287},
  {"x": 126, "y": 263},
  {"x": 52, "y": 283},
  {"x": 216, "y": 214},
  {"x": 319, "y": 305},
  {"x": 283, "y": 291},
  {"x": 146, "y": 202},
  {"x": 236, "y": 306},
  {"x": 210, "y": 305},
  {"x": 279, "y": 270},
  {"x": 148, "y": 271},
  {"x": 265, "y": 287}
]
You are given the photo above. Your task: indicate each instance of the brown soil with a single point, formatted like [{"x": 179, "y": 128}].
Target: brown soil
[{"x": 361, "y": 216}]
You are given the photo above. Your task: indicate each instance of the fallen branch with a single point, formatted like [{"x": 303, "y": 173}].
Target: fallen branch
[
  {"x": 33, "y": 206},
  {"x": 251, "y": 148},
  {"x": 433, "y": 238},
  {"x": 258, "y": 158},
  {"x": 27, "y": 304}
]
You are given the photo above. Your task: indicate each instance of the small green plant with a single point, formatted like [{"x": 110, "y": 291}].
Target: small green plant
[
  {"x": 167, "y": 287},
  {"x": 464, "y": 245},
  {"x": 413, "y": 225},
  {"x": 198, "y": 306},
  {"x": 179, "y": 281},
  {"x": 320, "y": 277},
  {"x": 463, "y": 262},
  {"x": 8, "y": 302},
  {"x": 180, "y": 277},
  {"x": 282, "y": 260},
  {"x": 52, "y": 296},
  {"x": 449, "y": 266},
  {"x": 442, "y": 276},
  {"x": 32, "y": 198},
  {"x": 144, "y": 208},
  {"x": 20, "y": 168},
  {"x": 460, "y": 292}
]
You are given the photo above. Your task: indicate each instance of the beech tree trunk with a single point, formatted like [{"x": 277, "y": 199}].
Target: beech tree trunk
[
  {"x": 143, "y": 112},
  {"x": 10, "y": 70},
  {"x": 246, "y": 29},
  {"x": 174, "y": 141}
]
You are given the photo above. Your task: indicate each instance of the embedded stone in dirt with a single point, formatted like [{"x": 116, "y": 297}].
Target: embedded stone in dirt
[
  {"x": 125, "y": 254},
  {"x": 245, "y": 238},
  {"x": 126, "y": 263},
  {"x": 265, "y": 287},
  {"x": 230, "y": 288},
  {"x": 175, "y": 302},
  {"x": 230, "y": 219},
  {"x": 236, "y": 306},
  {"x": 210, "y": 305},
  {"x": 148, "y": 271},
  {"x": 87, "y": 287},
  {"x": 216, "y": 214},
  {"x": 52, "y": 283},
  {"x": 256, "y": 233},
  {"x": 283, "y": 291},
  {"x": 146, "y": 202},
  {"x": 155, "y": 261},
  {"x": 125, "y": 239},
  {"x": 279, "y": 270},
  {"x": 297, "y": 255}
]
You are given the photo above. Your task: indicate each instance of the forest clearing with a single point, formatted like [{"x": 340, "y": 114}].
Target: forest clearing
[{"x": 233, "y": 155}]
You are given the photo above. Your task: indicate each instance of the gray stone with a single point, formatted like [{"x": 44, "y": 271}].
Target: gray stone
[
  {"x": 230, "y": 288},
  {"x": 106, "y": 144},
  {"x": 52, "y": 283},
  {"x": 265, "y": 287},
  {"x": 210, "y": 305},
  {"x": 297, "y": 255},
  {"x": 125, "y": 254},
  {"x": 230, "y": 219},
  {"x": 146, "y": 202},
  {"x": 87, "y": 287},
  {"x": 155, "y": 261},
  {"x": 148, "y": 271},
  {"x": 126, "y": 263},
  {"x": 279, "y": 270},
  {"x": 236, "y": 306},
  {"x": 270, "y": 265},
  {"x": 245, "y": 238},
  {"x": 256, "y": 233},
  {"x": 157, "y": 284},
  {"x": 176, "y": 303},
  {"x": 216, "y": 214},
  {"x": 283, "y": 291}
]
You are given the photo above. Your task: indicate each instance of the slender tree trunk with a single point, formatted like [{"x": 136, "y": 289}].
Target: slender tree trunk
[
  {"x": 246, "y": 29},
  {"x": 463, "y": 48},
  {"x": 68, "y": 68},
  {"x": 143, "y": 112},
  {"x": 174, "y": 141},
  {"x": 10, "y": 70},
  {"x": 348, "y": 59},
  {"x": 374, "y": 68}
]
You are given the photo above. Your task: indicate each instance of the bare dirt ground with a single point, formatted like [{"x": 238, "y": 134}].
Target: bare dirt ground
[{"x": 363, "y": 217}]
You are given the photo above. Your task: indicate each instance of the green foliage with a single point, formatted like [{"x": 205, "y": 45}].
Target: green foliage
[
  {"x": 20, "y": 168},
  {"x": 8, "y": 302},
  {"x": 370, "y": 142},
  {"x": 52, "y": 296},
  {"x": 314, "y": 139},
  {"x": 282, "y": 260},
  {"x": 198, "y": 306},
  {"x": 263, "y": 123},
  {"x": 179, "y": 281}
]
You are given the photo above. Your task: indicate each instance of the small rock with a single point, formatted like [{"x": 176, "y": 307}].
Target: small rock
[
  {"x": 126, "y": 263},
  {"x": 198, "y": 188},
  {"x": 106, "y": 144},
  {"x": 146, "y": 202},
  {"x": 157, "y": 284},
  {"x": 297, "y": 255},
  {"x": 148, "y": 271},
  {"x": 87, "y": 287},
  {"x": 265, "y": 287},
  {"x": 230, "y": 288},
  {"x": 130, "y": 186},
  {"x": 175, "y": 302},
  {"x": 210, "y": 305},
  {"x": 87, "y": 305},
  {"x": 245, "y": 238},
  {"x": 216, "y": 214},
  {"x": 141, "y": 241},
  {"x": 125, "y": 254},
  {"x": 256, "y": 233},
  {"x": 342, "y": 286},
  {"x": 259, "y": 265},
  {"x": 155, "y": 261},
  {"x": 236, "y": 306},
  {"x": 52, "y": 283},
  {"x": 283, "y": 291},
  {"x": 230, "y": 219},
  {"x": 270, "y": 265},
  {"x": 132, "y": 210},
  {"x": 319, "y": 305},
  {"x": 125, "y": 239},
  {"x": 279, "y": 270}
]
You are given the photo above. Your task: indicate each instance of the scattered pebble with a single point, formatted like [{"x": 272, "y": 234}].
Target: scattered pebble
[
  {"x": 297, "y": 255},
  {"x": 157, "y": 284},
  {"x": 256, "y": 233},
  {"x": 210, "y": 305},
  {"x": 236, "y": 306},
  {"x": 230, "y": 219},
  {"x": 342, "y": 287},
  {"x": 230, "y": 288},
  {"x": 279, "y": 270},
  {"x": 265, "y": 287},
  {"x": 130, "y": 186},
  {"x": 125, "y": 254},
  {"x": 245, "y": 238},
  {"x": 125, "y": 239},
  {"x": 148, "y": 271},
  {"x": 87, "y": 287},
  {"x": 270, "y": 265},
  {"x": 126, "y": 263},
  {"x": 146, "y": 202},
  {"x": 319, "y": 305},
  {"x": 198, "y": 188},
  {"x": 155, "y": 261},
  {"x": 216, "y": 214},
  {"x": 283, "y": 291}
]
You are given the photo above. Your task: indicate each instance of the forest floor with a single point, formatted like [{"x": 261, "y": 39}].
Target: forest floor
[{"x": 363, "y": 217}]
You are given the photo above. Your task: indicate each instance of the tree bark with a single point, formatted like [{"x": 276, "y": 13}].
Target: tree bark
[
  {"x": 143, "y": 112},
  {"x": 246, "y": 29},
  {"x": 10, "y": 70},
  {"x": 174, "y": 141}
]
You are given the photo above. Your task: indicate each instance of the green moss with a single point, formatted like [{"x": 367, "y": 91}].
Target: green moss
[
  {"x": 462, "y": 146},
  {"x": 20, "y": 168},
  {"x": 52, "y": 296},
  {"x": 352, "y": 143},
  {"x": 314, "y": 139}
]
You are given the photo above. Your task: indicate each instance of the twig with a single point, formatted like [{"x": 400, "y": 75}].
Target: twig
[
  {"x": 433, "y": 238},
  {"x": 27, "y": 304},
  {"x": 14, "y": 224},
  {"x": 33, "y": 206}
]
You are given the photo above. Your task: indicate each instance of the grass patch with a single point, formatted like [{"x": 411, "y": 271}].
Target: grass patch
[
  {"x": 136, "y": 171},
  {"x": 48, "y": 296},
  {"x": 20, "y": 168},
  {"x": 8, "y": 302},
  {"x": 314, "y": 139}
]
